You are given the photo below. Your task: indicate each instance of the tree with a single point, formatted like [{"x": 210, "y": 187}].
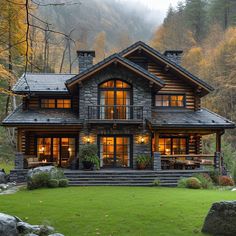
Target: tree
[
  {"x": 99, "y": 45},
  {"x": 195, "y": 17}
]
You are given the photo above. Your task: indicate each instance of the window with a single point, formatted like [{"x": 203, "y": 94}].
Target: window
[
  {"x": 48, "y": 103},
  {"x": 115, "y": 100},
  {"x": 165, "y": 100},
  {"x": 56, "y": 103},
  {"x": 63, "y": 103},
  {"x": 172, "y": 146}
]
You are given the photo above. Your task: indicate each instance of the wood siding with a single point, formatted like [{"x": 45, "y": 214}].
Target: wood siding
[
  {"x": 34, "y": 102},
  {"x": 173, "y": 84}
]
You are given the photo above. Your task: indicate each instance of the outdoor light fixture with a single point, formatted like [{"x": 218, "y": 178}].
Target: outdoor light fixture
[
  {"x": 88, "y": 140},
  {"x": 69, "y": 149},
  {"x": 141, "y": 140}
]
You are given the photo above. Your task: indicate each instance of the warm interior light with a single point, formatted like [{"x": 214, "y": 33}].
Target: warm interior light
[
  {"x": 142, "y": 140},
  {"x": 69, "y": 149},
  {"x": 42, "y": 148}
]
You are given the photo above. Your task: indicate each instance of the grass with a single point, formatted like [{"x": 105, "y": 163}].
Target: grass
[{"x": 123, "y": 211}]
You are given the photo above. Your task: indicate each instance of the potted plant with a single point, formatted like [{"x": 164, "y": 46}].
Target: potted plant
[
  {"x": 88, "y": 155},
  {"x": 91, "y": 162},
  {"x": 143, "y": 161}
]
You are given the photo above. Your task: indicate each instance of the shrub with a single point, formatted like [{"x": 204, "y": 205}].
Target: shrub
[
  {"x": 214, "y": 176},
  {"x": 193, "y": 183},
  {"x": 59, "y": 174},
  {"x": 205, "y": 179},
  {"x": 53, "y": 183},
  {"x": 156, "y": 182},
  {"x": 39, "y": 180},
  {"x": 63, "y": 182},
  {"x": 226, "y": 181},
  {"x": 182, "y": 183}
]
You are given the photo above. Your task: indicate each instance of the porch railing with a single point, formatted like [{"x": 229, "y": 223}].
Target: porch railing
[
  {"x": 115, "y": 112},
  {"x": 188, "y": 161}
]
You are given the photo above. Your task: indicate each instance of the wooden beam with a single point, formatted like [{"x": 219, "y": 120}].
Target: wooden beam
[{"x": 218, "y": 140}]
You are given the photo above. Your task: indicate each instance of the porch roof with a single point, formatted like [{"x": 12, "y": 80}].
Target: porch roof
[
  {"x": 20, "y": 117},
  {"x": 183, "y": 118}
]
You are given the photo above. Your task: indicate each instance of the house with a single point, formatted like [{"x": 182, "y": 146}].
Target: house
[{"x": 138, "y": 101}]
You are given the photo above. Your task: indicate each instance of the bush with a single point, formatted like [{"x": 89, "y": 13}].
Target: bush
[
  {"x": 39, "y": 180},
  {"x": 193, "y": 183},
  {"x": 53, "y": 183},
  {"x": 205, "y": 179},
  {"x": 214, "y": 176},
  {"x": 156, "y": 182},
  {"x": 63, "y": 182},
  {"x": 182, "y": 183},
  {"x": 226, "y": 181}
]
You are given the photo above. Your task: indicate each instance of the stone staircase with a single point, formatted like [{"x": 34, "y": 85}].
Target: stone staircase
[{"x": 127, "y": 177}]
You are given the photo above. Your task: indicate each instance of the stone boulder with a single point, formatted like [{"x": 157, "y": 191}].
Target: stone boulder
[
  {"x": 3, "y": 177},
  {"x": 52, "y": 170},
  {"x": 8, "y": 225},
  {"x": 221, "y": 219}
]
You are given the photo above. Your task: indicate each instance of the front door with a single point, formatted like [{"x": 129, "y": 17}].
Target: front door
[{"x": 115, "y": 151}]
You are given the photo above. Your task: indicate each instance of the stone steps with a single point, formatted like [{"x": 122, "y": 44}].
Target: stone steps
[{"x": 126, "y": 178}]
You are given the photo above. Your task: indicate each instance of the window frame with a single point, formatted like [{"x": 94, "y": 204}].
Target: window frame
[
  {"x": 171, "y": 144},
  {"x": 56, "y": 103},
  {"x": 169, "y": 100}
]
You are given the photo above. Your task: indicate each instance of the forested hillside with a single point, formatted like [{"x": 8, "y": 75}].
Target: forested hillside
[{"x": 206, "y": 31}]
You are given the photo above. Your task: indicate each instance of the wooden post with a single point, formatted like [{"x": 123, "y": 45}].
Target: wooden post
[
  {"x": 156, "y": 138},
  {"x": 218, "y": 154}
]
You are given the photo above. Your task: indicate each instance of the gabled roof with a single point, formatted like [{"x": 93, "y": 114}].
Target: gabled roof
[
  {"x": 141, "y": 45},
  {"x": 164, "y": 118},
  {"x": 115, "y": 58},
  {"x": 21, "y": 117},
  {"x": 40, "y": 82}
]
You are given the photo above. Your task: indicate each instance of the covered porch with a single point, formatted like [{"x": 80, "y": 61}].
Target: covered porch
[{"x": 182, "y": 150}]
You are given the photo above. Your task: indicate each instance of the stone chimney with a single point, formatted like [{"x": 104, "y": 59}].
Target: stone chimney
[
  {"x": 174, "y": 55},
  {"x": 85, "y": 59}
]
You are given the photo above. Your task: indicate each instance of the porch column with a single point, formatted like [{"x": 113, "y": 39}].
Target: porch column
[
  {"x": 156, "y": 141},
  {"x": 218, "y": 160},
  {"x": 19, "y": 161},
  {"x": 157, "y": 161}
]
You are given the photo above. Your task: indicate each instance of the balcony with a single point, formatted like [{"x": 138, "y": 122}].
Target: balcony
[{"x": 115, "y": 114}]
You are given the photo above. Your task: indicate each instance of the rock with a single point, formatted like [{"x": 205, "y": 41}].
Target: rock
[
  {"x": 52, "y": 170},
  {"x": 8, "y": 225},
  {"x": 56, "y": 234},
  {"x": 234, "y": 189},
  {"x": 221, "y": 219},
  {"x": 25, "y": 228},
  {"x": 3, "y": 177}
]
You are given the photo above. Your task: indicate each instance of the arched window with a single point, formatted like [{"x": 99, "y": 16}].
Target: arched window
[{"x": 115, "y": 99}]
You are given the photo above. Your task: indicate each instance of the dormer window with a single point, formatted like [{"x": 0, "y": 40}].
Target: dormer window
[
  {"x": 55, "y": 103},
  {"x": 169, "y": 100}
]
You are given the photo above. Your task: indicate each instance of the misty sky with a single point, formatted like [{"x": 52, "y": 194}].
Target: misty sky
[{"x": 161, "y": 5}]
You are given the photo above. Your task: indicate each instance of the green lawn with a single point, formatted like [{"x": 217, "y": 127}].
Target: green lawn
[{"x": 121, "y": 211}]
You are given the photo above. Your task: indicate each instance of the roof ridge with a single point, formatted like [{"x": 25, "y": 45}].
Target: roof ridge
[
  {"x": 115, "y": 55},
  {"x": 205, "y": 84}
]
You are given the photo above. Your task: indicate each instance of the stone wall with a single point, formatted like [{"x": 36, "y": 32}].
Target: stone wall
[
  {"x": 135, "y": 133},
  {"x": 142, "y": 95}
]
